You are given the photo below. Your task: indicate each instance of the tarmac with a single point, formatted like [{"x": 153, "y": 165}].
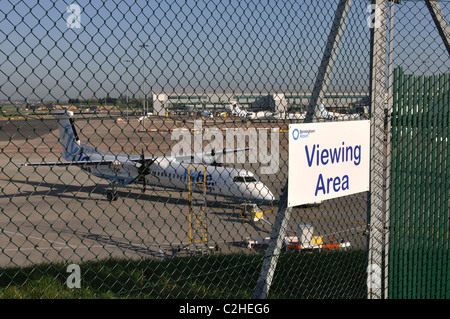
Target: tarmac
[{"x": 61, "y": 214}]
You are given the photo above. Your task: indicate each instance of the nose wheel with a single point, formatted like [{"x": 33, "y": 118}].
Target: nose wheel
[{"x": 111, "y": 195}]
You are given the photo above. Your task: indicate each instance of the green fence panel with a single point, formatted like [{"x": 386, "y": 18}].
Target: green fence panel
[{"x": 419, "y": 211}]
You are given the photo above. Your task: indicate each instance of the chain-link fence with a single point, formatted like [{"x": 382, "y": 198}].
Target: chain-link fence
[{"x": 145, "y": 149}]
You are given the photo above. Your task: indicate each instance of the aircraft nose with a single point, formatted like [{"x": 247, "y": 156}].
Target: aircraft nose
[
  {"x": 269, "y": 196},
  {"x": 262, "y": 193}
]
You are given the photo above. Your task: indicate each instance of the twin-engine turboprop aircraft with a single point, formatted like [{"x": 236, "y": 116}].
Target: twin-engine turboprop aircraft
[
  {"x": 234, "y": 109},
  {"x": 336, "y": 116},
  {"x": 324, "y": 114},
  {"x": 166, "y": 171}
]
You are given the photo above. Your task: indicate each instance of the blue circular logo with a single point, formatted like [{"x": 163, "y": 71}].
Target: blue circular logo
[{"x": 295, "y": 134}]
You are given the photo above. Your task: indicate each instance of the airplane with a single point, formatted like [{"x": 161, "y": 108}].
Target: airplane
[
  {"x": 236, "y": 110},
  {"x": 336, "y": 116},
  {"x": 166, "y": 171},
  {"x": 289, "y": 116},
  {"x": 206, "y": 114},
  {"x": 144, "y": 117}
]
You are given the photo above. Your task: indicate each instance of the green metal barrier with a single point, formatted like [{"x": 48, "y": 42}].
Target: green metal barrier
[{"x": 420, "y": 172}]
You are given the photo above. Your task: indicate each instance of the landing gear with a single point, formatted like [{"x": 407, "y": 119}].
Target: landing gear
[{"x": 111, "y": 195}]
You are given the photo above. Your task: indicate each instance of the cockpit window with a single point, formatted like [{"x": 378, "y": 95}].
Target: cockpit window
[
  {"x": 244, "y": 179},
  {"x": 239, "y": 179}
]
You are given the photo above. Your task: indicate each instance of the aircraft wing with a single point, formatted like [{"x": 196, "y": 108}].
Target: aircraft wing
[
  {"x": 190, "y": 157},
  {"x": 74, "y": 163}
]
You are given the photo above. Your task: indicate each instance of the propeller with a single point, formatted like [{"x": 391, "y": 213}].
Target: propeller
[
  {"x": 213, "y": 154},
  {"x": 143, "y": 170}
]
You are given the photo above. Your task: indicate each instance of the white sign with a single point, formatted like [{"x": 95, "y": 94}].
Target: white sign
[{"x": 328, "y": 160}]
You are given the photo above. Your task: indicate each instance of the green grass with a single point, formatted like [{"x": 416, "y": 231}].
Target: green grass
[{"x": 333, "y": 274}]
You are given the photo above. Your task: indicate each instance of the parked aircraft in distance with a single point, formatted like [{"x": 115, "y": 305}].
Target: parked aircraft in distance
[
  {"x": 206, "y": 114},
  {"x": 166, "y": 171},
  {"x": 234, "y": 109},
  {"x": 337, "y": 116}
]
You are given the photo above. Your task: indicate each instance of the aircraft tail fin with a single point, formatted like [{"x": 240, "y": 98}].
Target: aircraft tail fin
[
  {"x": 323, "y": 111},
  {"x": 72, "y": 148}
]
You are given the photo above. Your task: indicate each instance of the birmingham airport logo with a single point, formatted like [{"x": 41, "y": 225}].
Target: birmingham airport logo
[{"x": 235, "y": 138}]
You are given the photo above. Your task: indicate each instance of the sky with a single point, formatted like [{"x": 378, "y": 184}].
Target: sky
[{"x": 194, "y": 45}]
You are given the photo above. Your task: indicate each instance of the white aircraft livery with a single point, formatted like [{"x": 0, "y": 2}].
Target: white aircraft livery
[
  {"x": 236, "y": 110},
  {"x": 167, "y": 171},
  {"x": 336, "y": 116}
]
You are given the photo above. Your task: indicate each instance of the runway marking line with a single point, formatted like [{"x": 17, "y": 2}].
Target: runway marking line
[
  {"x": 63, "y": 245},
  {"x": 51, "y": 242}
]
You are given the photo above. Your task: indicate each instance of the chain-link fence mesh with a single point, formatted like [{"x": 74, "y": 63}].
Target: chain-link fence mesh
[{"x": 145, "y": 148}]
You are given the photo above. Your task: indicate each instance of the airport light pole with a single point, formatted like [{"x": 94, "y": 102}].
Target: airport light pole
[{"x": 144, "y": 105}]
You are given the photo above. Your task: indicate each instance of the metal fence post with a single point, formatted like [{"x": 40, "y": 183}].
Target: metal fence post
[
  {"x": 328, "y": 58},
  {"x": 440, "y": 22},
  {"x": 378, "y": 104},
  {"x": 273, "y": 251},
  {"x": 284, "y": 212}
]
